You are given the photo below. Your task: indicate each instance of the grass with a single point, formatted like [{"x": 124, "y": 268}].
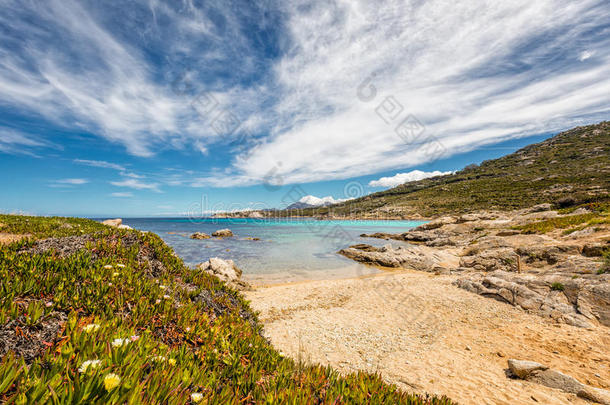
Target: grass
[
  {"x": 121, "y": 319},
  {"x": 557, "y": 287}
]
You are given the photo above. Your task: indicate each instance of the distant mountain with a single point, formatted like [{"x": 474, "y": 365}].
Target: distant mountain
[
  {"x": 572, "y": 167},
  {"x": 310, "y": 201}
]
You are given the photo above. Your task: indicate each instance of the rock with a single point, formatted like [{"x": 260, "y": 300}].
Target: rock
[
  {"x": 579, "y": 234},
  {"x": 113, "y": 222},
  {"x": 540, "y": 207},
  {"x": 595, "y": 394},
  {"x": 540, "y": 374},
  {"x": 595, "y": 249},
  {"x": 222, "y": 233},
  {"x": 556, "y": 379},
  {"x": 580, "y": 303},
  {"x": 414, "y": 257},
  {"x": 255, "y": 214},
  {"x": 508, "y": 232},
  {"x": 523, "y": 368},
  {"x": 225, "y": 270},
  {"x": 200, "y": 235}
]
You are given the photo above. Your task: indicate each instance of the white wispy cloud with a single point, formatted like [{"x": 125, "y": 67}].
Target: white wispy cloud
[
  {"x": 68, "y": 182},
  {"x": 17, "y": 142},
  {"x": 100, "y": 163},
  {"x": 121, "y": 195},
  {"x": 137, "y": 184},
  {"x": 401, "y": 178}
]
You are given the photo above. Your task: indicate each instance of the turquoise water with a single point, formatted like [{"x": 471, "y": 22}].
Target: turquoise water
[{"x": 289, "y": 249}]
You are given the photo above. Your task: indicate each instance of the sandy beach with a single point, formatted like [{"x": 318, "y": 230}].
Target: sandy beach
[{"x": 423, "y": 334}]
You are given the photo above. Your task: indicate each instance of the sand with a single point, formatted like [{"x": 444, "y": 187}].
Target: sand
[{"x": 426, "y": 335}]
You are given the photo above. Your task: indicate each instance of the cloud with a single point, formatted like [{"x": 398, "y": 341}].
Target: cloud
[
  {"x": 146, "y": 78},
  {"x": 401, "y": 178},
  {"x": 585, "y": 55},
  {"x": 122, "y": 195},
  {"x": 17, "y": 142},
  {"x": 100, "y": 163},
  {"x": 68, "y": 182},
  {"x": 136, "y": 184},
  {"x": 92, "y": 67},
  {"x": 472, "y": 74}
]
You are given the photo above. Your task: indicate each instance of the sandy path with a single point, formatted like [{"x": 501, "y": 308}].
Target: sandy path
[{"x": 426, "y": 335}]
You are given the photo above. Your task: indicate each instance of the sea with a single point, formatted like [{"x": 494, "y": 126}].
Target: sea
[{"x": 287, "y": 249}]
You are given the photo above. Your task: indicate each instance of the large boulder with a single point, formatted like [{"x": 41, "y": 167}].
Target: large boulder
[
  {"x": 113, "y": 222},
  {"x": 225, "y": 270},
  {"x": 222, "y": 233}
]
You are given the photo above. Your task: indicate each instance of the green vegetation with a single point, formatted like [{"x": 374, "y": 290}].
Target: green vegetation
[
  {"x": 600, "y": 215},
  {"x": 557, "y": 287},
  {"x": 100, "y": 315},
  {"x": 567, "y": 170}
]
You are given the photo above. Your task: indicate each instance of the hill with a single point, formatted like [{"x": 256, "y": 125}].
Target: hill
[
  {"x": 93, "y": 314},
  {"x": 570, "y": 168}
]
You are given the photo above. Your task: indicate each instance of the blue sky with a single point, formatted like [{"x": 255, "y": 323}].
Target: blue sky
[{"x": 168, "y": 107}]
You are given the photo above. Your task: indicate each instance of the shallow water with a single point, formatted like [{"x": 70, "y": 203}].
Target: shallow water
[{"x": 288, "y": 249}]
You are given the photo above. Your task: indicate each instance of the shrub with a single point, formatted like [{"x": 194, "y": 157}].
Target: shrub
[{"x": 557, "y": 287}]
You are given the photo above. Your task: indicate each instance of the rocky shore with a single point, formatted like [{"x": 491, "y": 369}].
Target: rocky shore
[{"x": 558, "y": 274}]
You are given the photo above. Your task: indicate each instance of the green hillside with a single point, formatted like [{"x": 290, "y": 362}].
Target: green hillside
[
  {"x": 572, "y": 167},
  {"x": 92, "y": 314}
]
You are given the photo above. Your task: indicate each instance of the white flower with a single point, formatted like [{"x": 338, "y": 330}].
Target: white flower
[
  {"x": 89, "y": 364},
  {"x": 196, "y": 397},
  {"x": 92, "y": 327},
  {"x": 162, "y": 287},
  {"x": 120, "y": 265},
  {"x": 108, "y": 266},
  {"x": 119, "y": 342},
  {"x": 157, "y": 301},
  {"x": 166, "y": 297},
  {"x": 159, "y": 359}
]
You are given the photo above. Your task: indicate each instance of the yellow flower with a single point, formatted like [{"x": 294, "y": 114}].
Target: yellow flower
[
  {"x": 120, "y": 265},
  {"x": 196, "y": 397},
  {"x": 92, "y": 327},
  {"x": 111, "y": 381},
  {"x": 172, "y": 362},
  {"x": 115, "y": 274}
]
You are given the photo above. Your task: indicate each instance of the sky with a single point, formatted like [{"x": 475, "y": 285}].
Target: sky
[{"x": 161, "y": 108}]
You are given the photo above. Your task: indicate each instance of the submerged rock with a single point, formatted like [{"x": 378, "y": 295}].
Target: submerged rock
[{"x": 200, "y": 235}]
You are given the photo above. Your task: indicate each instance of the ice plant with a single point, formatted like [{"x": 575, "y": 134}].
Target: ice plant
[
  {"x": 120, "y": 342},
  {"x": 89, "y": 364},
  {"x": 92, "y": 327},
  {"x": 111, "y": 381},
  {"x": 196, "y": 397}
]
